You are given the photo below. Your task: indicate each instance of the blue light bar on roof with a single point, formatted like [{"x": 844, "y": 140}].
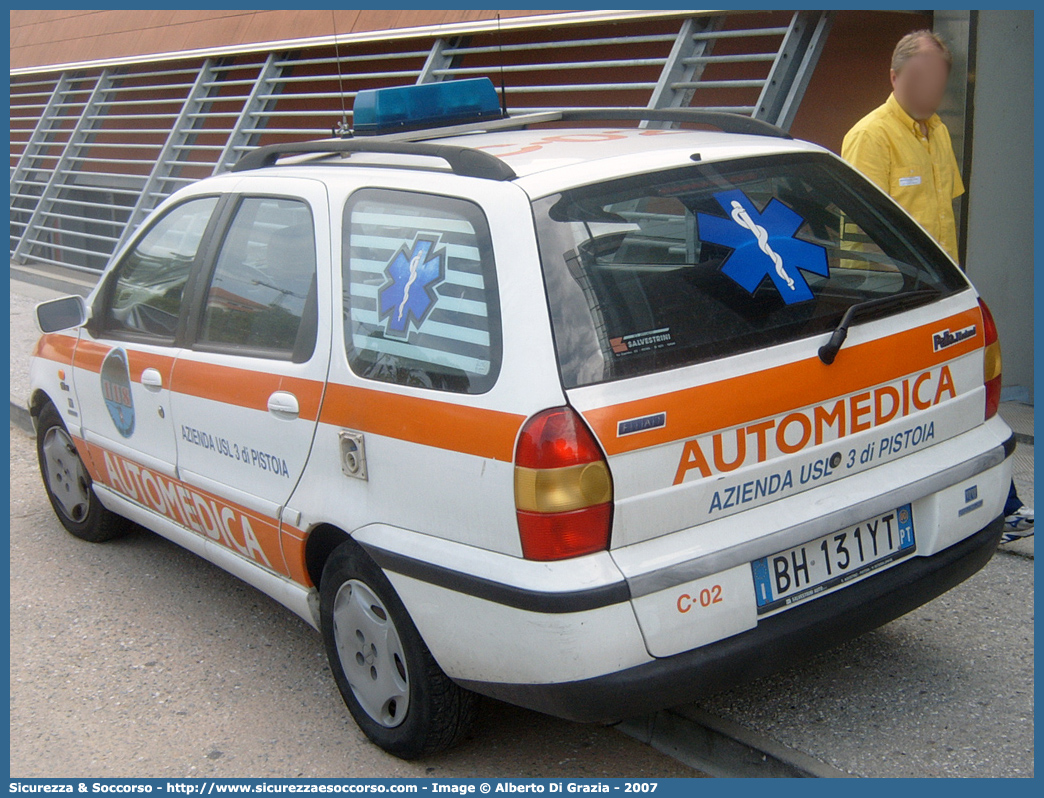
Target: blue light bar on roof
[{"x": 401, "y": 108}]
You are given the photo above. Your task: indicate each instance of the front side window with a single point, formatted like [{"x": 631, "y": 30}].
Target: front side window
[
  {"x": 262, "y": 296},
  {"x": 673, "y": 268},
  {"x": 420, "y": 302},
  {"x": 148, "y": 285}
]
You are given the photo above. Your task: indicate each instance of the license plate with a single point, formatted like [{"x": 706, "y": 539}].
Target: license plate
[{"x": 803, "y": 572}]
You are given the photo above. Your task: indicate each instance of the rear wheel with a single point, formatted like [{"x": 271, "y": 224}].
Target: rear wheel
[
  {"x": 397, "y": 693},
  {"x": 68, "y": 483}
]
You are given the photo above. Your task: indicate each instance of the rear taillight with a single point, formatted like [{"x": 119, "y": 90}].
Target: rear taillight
[
  {"x": 563, "y": 490},
  {"x": 991, "y": 364}
]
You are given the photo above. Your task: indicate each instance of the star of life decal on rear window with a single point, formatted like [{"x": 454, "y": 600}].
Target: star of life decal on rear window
[{"x": 763, "y": 246}]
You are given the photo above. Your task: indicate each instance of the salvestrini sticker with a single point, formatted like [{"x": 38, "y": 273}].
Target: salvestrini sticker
[{"x": 641, "y": 342}]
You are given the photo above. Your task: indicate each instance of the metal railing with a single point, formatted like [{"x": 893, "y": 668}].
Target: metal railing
[{"x": 94, "y": 151}]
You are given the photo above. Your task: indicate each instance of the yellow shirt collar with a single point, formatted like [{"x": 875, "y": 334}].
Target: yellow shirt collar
[{"x": 908, "y": 121}]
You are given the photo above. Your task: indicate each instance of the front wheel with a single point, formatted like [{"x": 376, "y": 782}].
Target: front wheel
[
  {"x": 68, "y": 484},
  {"x": 397, "y": 693}
]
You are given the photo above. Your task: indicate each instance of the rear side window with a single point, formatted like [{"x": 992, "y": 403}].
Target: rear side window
[
  {"x": 420, "y": 304},
  {"x": 262, "y": 295},
  {"x": 674, "y": 268},
  {"x": 148, "y": 285}
]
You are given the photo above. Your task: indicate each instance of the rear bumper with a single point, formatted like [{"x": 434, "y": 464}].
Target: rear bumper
[{"x": 778, "y": 641}]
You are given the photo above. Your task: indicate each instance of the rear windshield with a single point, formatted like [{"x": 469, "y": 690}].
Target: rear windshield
[{"x": 673, "y": 268}]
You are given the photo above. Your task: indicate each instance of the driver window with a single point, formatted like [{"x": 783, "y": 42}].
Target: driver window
[{"x": 149, "y": 282}]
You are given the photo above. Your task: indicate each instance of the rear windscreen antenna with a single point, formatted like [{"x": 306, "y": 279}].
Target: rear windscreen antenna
[
  {"x": 342, "y": 130},
  {"x": 500, "y": 48}
]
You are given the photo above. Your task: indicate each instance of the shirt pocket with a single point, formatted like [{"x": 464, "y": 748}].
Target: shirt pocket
[{"x": 907, "y": 184}]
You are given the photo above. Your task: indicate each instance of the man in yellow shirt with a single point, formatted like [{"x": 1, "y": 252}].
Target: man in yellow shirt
[{"x": 904, "y": 147}]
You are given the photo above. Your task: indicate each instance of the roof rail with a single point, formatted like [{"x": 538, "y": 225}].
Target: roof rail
[
  {"x": 463, "y": 161},
  {"x": 724, "y": 121}
]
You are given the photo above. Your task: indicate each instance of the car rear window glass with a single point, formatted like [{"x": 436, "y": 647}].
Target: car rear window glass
[
  {"x": 673, "y": 268},
  {"x": 420, "y": 301}
]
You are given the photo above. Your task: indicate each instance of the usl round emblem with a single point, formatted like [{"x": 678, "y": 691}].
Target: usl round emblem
[{"x": 116, "y": 389}]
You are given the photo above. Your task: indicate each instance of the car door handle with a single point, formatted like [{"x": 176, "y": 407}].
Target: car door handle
[
  {"x": 283, "y": 405},
  {"x": 152, "y": 379}
]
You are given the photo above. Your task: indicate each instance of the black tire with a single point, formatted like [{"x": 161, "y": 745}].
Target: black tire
[
  {"x": 388, "y": 661},
  {"x": 68, "y": 483}
]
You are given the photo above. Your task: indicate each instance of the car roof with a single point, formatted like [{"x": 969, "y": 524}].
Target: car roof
[
  {"x": 550, "y": 160},
  {"x": 532, "y": 151}
]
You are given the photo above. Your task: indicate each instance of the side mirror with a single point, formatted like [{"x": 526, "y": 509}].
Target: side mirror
[{"x": 61, "y": 314}]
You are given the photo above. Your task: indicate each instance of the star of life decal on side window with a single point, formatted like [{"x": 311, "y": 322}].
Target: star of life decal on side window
[
  {"x": 763, "y": 245},
  {"x": 412, "y": 275}
]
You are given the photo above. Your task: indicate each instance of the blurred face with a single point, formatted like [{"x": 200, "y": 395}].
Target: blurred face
[{"x": 919, "y": 86}]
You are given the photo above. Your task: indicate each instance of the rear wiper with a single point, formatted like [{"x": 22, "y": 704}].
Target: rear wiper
[{"x": 829, "y": 350}]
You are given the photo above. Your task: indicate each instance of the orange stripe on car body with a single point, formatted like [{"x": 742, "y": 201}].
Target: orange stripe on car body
[
  {"x": 458, "y": 428},
  {"x": 233, "y": 526},
  {"x": 492, "y": 434},
  {"x": 244, "y": 387},
  {"x": 294, "y": 543},
  {"x": 90, "y": 355},
  {"x": 728, "y": 403},
  {"x": 56, "y": 347},
  {"x": 484, "y": 433},
  {"x": 137, "y": 362}
]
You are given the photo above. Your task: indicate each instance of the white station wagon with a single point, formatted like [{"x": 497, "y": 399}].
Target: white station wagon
[{"x": 592, "y": 420}]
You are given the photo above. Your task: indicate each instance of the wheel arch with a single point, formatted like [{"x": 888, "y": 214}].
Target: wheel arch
[
  {"x": 38, "y": 400},
  {"x": 321, "y": 543}
]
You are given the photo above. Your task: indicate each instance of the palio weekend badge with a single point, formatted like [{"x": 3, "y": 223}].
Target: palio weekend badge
[
  {"x": 116, "y": 388},
  {"x": 410, "y": 290},
  {"x": 763, "y": 245},
  {"x": 944, "y": 339}
]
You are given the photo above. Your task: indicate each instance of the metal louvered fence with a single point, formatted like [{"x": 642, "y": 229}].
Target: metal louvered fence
[{"x": 95, "y": 150}]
